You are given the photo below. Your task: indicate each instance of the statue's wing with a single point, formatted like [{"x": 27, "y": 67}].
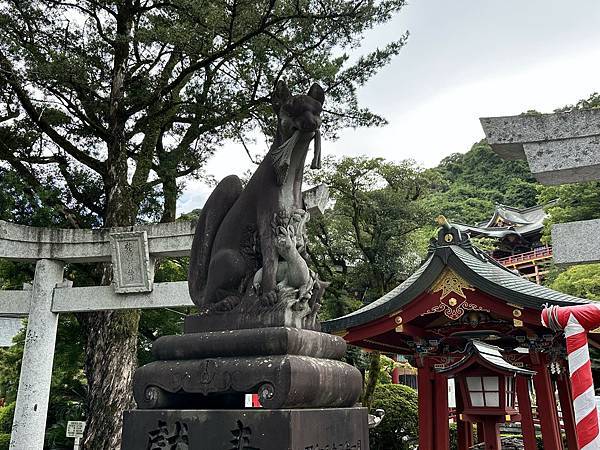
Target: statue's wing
[{"x": 215, "y": 209}]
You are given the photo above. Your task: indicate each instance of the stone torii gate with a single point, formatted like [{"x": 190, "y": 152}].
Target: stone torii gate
[
  {"x": 562, "y": 148},
  {"x": 132, "y": 251}
]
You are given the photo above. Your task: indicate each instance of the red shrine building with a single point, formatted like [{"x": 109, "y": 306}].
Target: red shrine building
[
  {"x": 463, "y": 315},
  {"x": 518, "y": 236}
]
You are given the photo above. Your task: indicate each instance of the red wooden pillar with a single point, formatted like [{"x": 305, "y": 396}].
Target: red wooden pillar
[
  {"x": 546, "y": 406},
  {"x": 491, "y": 434},
  {"x": 396, "y": 376},
  {"x": 464, "y": 429},
  {"x": 465, "y": 434},
  {"x": 425, "y": 392},
  {"x": 527, "y": 426},
  {"x": 479, "y": 432},
  {"x": 441, "y": 423},
  {"x": 566, "y": 406}
]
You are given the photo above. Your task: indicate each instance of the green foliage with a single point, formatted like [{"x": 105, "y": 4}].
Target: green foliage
[
  {"x": 571, "y": 202},
  {"x": 7, "y": 414},
  {"x": 4, "y": 441},
  {"x": 484, "y": 243},
  {"x": 453, "y": 436},
  {"x": 364, "y": 242},
  {"x": 401, "y": 417},
  {"x": 10, "y": 367},
  {"x": 68, "y": 385},
  {"x": 61, "y": 413},
  {"x": 13, "y": 274},
  {"x": 127, "y": 80},
  {"x": 472, "y": 183},
  {"x": 386, "y": 367},
  {"x": 155, "y": 323},
  {"x": 580, "y": 281},
  {"x": 592, "y": 102}
]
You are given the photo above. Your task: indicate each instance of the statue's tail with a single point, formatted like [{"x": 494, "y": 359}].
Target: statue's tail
[{"x": 215, "y": 209}]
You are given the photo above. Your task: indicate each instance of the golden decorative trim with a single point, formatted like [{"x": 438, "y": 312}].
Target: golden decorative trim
[
  {"x": 517, "y": 323},
  {"x": 517, "y": 313},
  {"x": 399, "y": 328},
  {"x": 398, "y": 320},
  {"x": 340, "y": 333},
  {"x": 515, "y": 306},
  {"x": 449, "y": 282},
  {"x": 595, "y": 331},
  {"x": 455, "y": 312}
]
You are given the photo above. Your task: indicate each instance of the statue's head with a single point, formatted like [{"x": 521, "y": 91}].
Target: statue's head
[{"x": 300, "y": 115}]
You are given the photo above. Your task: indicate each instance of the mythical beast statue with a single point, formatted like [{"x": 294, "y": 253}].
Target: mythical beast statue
[{"x": 249, "y": 251}]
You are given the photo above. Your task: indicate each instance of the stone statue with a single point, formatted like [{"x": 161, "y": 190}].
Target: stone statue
[
  {"x": 257, "y": 330},
  {"x": 249, "y": 250}
]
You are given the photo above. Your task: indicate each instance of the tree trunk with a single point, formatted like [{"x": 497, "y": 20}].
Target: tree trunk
[
  {"x": 374, "y": 369},
  {"x": 170, "y": 197},
  {"x": 111, "y": 350},
  {"x": 111, "y": 359}
]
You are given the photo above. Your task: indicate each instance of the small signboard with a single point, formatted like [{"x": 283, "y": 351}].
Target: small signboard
[
  {"x": 451, "y": 393},
  {"x": 75, "y": 429}
]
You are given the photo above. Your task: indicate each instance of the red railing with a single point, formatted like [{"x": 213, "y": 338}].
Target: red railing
[{"x": 538, "y": 253}]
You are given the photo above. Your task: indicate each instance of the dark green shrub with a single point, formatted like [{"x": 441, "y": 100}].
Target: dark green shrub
[
  {"x": 4, "y": 441},
  {"x": 453, "y": 436},
  {"x": 400, "y": 426},
  {"x": 6, "y": 417}
]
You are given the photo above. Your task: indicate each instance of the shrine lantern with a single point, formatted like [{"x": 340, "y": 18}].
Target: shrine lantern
[{"x": 486, "y": 383}]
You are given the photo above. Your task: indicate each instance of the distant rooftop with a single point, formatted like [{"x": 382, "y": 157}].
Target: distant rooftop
[{"x": 507, "y": 220}]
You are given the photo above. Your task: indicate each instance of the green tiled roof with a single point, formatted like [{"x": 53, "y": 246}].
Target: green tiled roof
[{"x": 480, "y": 270}]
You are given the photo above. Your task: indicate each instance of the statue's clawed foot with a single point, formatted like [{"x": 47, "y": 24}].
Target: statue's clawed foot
[
  {"x": 227, "y": 304},
  {"x": 268, "y": 298}
]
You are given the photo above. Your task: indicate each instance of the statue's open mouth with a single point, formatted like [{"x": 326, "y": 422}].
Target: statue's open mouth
[{"x": 283, "y": 154}]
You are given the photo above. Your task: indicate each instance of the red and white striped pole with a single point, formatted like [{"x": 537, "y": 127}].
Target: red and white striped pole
[{"x": 576, "y": 321}]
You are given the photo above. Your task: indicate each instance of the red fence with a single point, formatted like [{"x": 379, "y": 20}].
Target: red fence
[{"x": 538, "y": 253}]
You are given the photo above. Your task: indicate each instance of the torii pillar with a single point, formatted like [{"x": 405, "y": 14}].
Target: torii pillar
[{"x": 29, "y": 425}]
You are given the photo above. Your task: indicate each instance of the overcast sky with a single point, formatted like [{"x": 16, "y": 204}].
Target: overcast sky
[{"x": 464, "y": 59}]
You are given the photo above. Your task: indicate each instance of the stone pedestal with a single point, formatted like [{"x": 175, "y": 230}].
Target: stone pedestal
[
  {"x": 286, "y": 367},
  {"x": 246, "y": 429}
]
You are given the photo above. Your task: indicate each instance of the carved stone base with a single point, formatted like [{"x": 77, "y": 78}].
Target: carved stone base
[
  {"x": 281, "y": 381},
  {"x": 249, "y": 429},
  {"x": 293, "y": 369}
]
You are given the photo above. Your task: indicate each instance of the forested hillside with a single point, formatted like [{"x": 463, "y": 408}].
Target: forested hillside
[{"x": 472, "y": 183}]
